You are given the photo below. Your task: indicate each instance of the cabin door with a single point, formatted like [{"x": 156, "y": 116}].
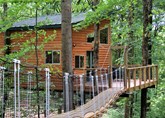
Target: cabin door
[{"x": 89, "y": 59}]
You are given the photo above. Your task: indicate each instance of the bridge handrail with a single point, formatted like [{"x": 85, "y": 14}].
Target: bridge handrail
[
  {"x": 145, "y": 74},
  {"x": 139, "y": 67}
]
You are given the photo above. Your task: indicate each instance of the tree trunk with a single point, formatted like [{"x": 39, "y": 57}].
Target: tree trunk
[
  {"x": 6, "y": 33},
  {"x": 131, "y": 33},
  {"x": 147, "y": 27},
  {"x": 5, "y": 7},
  {"x": 131, "y": 105},
  {"x": 96, "y": 45},
  {"x": 146, "y": 48},
  {"x": 67, "y": 47},
  {"x": 127, "y": 109},
  {"x": 7, "y": 42},
  {"x": 143, "y": 103},
  {"x": 150, "y": 28},
  {"x": 96, "y": 38}
]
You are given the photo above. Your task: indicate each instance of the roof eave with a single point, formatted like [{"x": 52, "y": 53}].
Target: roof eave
[{"x": 55, "y": 26}]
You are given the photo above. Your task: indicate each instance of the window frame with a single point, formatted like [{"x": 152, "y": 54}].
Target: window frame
[
  {"x": 107, "y": 35},
  {"x": 52, "y": 56},
  {"x": 79, "y": 61},
  {"x": 87, "y": 37}
]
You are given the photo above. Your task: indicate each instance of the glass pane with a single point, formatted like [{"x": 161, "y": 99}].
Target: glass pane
[
  {"x": 89, "y": 59},
  {"x": 56, "y": 56},
  {"x": 104, "y": 36},
  {"x": 76, "y": 61},
  {"x": 90, "y": 38},
  {"x": 48, "y": 56},
  {"x": 81, "y": 61}
]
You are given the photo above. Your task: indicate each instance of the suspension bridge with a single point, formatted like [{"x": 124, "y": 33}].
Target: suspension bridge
[
  {"x": 103, "y": 86},
  {"x": 132, "y": 79}
]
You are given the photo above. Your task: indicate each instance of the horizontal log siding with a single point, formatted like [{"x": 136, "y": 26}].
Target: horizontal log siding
[
  {"x": 54, "y": 44},
  {"x": 81, "y": 46},
  {"x": 79, "y": 39},
  {"x": 2, "y": 44}
]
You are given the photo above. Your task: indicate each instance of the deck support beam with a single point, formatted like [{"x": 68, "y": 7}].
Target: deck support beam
[{"x": 143, "y": 103}]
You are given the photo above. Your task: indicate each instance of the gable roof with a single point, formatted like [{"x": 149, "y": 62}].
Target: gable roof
[{"x": 49, "y": 21}]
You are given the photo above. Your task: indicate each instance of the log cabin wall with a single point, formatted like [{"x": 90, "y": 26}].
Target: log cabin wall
[
  {"x": 2, "y": 42},
  {"x": 30, "y": 57},
  {"x": 80, "y": 46}
]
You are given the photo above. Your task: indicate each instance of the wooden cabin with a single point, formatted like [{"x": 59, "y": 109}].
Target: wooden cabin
[
  {"x": 21, "y": 37},
  {"x": 135, "y": 78},
  {"x": 50, "y": 55}
]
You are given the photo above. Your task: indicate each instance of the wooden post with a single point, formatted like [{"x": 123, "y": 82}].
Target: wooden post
[
  {"x": 109, "y": 77},
  {"x": 140, "y": 77},
  {"x": 126, "y": 65},
  {"x": 110, "y": 68},
  {"x": 157, "y": 78},
  {"x": 144, "y": 76},
  {"x": 129, "y": 79},
  {"x": 134, "y": 77},
  {"x": 149, "y": 75}
]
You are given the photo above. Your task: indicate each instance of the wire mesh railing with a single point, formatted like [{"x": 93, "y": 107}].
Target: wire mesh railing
[{"x": 18, "y": 94}]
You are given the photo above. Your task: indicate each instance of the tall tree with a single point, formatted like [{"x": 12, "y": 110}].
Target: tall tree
[
  {"x": 6, "y": 94},
  {"x": 146, "y": 48},
  {"x": 96, "y": 38},
  {"x": 67, "y": 48},
  {"x": 147, "y": 27}
]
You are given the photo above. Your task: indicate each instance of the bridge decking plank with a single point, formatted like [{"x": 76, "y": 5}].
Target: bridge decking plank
[{"x": 107, "y": 97}]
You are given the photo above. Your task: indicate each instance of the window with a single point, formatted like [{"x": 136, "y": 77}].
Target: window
[
  {"x": 90, "y": 38},
  {"x": 104, "y": 36},
  {"x": 79, "y": 61},
  {"x": 89, "y": 59},
  {"x": 53, "y": 57}
]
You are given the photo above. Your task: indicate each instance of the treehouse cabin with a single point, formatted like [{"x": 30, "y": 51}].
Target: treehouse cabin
[
  {"x": 22, "y": 35},
  {"x": 21, "y": 38},
  {"x": 107, "y": 84}
]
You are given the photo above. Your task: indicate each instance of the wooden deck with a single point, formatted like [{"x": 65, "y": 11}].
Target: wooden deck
[{"x": 135, "y": 79}]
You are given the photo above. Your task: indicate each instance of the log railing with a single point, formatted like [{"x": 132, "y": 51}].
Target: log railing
[{"x": 142, "y": 76}]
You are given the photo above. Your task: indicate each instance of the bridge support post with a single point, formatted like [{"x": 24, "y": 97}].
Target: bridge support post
[
  {"x": 143, "y": 103},
  {"x": 110, "y": 76}
]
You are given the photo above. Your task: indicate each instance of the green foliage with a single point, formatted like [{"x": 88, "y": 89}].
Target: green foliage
[
  {"x": 114, "y": 113},
  {"x": 118, "y": 13}
]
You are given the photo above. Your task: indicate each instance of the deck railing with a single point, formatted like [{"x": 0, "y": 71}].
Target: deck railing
[{"x": 142, "y": 76}]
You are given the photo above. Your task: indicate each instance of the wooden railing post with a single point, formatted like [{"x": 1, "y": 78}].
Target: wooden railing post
[
  {"x": 157, "y": 77},
  {"x": 134, "y": 77},
  {"x": 140, "y": 76},
  {"x": 149, "y": 75},
  {"x": 126, "y": 65},
  {"x": 125, "y": 77},
  {"x": 144, "y": 76},
  {"x": 129, "y": 78},
  {"x": 109, "y": 76}
]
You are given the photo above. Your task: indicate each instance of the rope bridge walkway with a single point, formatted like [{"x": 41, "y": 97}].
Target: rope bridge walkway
[
  {"x": 18, "y": 90},
  {"x": 135, "y": 79}
]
